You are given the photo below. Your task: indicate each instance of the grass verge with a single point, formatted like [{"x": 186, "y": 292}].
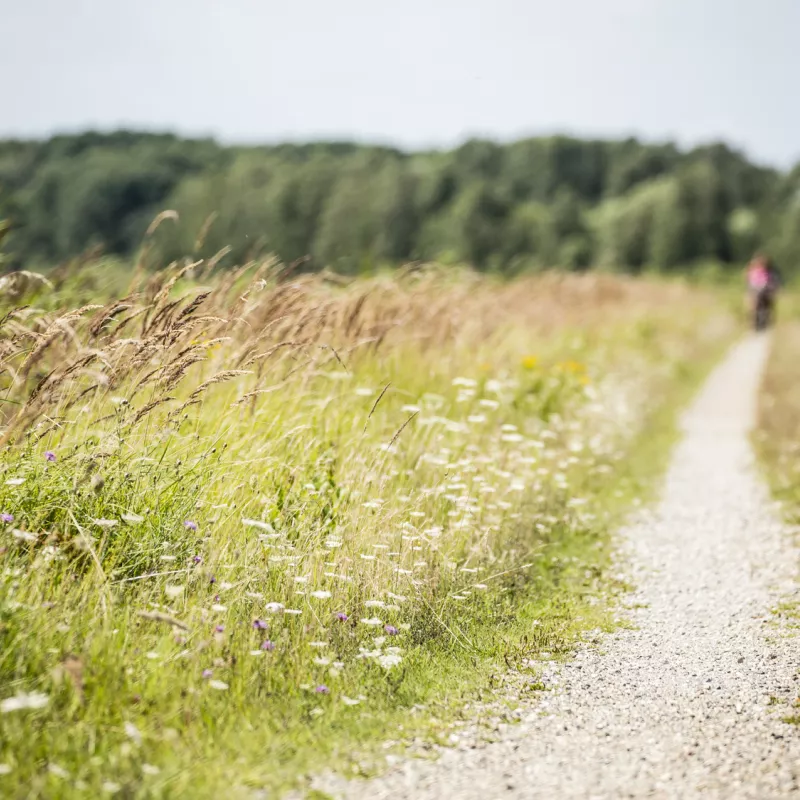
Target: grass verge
[{"x": 253, "y": 527}]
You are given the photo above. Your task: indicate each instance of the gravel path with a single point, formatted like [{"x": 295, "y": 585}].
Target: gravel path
[{"x": 678, "y": 707}]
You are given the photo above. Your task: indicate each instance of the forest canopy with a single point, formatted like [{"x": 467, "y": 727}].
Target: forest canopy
[{"x": 535, "y": 203}]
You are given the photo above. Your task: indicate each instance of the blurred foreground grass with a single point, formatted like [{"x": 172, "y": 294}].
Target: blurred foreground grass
[{"x": 252, "y": 526}]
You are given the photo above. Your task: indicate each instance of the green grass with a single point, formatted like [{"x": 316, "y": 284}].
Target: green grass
[
  {"x": 777, "y": 438},
  {"x": 468, "y": 507}
]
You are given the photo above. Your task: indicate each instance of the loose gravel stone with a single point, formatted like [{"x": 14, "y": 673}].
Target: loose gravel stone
[{"x": 687, "y": 703}]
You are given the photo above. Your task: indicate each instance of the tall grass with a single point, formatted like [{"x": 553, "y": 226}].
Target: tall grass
[
  {"x": 252, "y": 519},
  {"x": 777, "y": 435}
]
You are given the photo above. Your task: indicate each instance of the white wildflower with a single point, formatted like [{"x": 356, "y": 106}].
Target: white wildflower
[
  {"x": 132, "y": 732},
  {"x": 372, "y": 621},
  {"x": 375, "y": 604},
  {"x": 173, "y": 591},
  {"x": 389, "y": 660},
  {"x": 15, "y": 481},
  {"x": 219, "y": 685},
  {"x": 132, "y": 519},
  {"x": 349, "y": 701},
  {"x": 23, "y": 701},
  {"x": 105, "y": 523},
  {"x": 219, "y": 607},
  {"x": 57, "y": 770},
  {"x": 321, "y": 594},
  {"x": 274, "y": 608},
  {"x": 150, "y": 769}
]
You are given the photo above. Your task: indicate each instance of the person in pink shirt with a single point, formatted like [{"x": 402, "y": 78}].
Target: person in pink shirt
[{"x": 763, "y": 280}]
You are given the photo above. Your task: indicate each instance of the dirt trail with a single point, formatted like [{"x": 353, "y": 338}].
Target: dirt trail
[{"x": 680, "y": 706}]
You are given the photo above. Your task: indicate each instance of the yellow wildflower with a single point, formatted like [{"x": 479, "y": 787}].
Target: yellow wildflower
[
  {"x": 572, "y": 366},
  {"x": 529, "y": 362}
]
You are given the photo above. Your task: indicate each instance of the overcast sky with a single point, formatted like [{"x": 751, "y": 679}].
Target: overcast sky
[{"x": 414, "y": 73}]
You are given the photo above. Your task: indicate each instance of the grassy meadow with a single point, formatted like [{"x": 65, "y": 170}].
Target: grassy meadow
[
  {"x": 777, "y": 436},
  {"x": 255, "y": 525}
]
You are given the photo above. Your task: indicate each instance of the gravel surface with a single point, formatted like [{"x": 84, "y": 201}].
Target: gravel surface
[{"x": 688, "y": 703}]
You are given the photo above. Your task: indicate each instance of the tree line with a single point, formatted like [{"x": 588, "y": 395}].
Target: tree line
[{"x": 540, "y": 202}]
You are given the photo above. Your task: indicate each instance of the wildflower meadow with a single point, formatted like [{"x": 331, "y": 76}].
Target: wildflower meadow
[{"x": 256, "y": 524}]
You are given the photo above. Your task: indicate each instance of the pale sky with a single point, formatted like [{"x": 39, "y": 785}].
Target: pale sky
[{"x": 412, "y": 73}]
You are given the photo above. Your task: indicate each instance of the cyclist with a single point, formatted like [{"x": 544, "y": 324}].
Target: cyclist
[{"x": 763, "y": 282}]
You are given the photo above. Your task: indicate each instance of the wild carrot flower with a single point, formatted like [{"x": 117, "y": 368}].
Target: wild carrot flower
[
  {"x": 341, "y": 616},
  {"x": 188, "y": 524},
  {"x": 49, "y": 455},
  {"x": 6, "y": 517}
]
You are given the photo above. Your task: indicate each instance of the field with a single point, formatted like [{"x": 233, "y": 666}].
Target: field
[
  {"x": 255, "y": 525},
  {"x": 778, "y": 435}
]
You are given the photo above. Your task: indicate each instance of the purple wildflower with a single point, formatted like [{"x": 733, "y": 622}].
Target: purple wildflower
[
  {"x": 7, "y": 517},
  {"x": 259, "y": 624},
  {"x": 197, "y": 559},
  {"x": 322, "y": 689},
  {"x": 49, "y": 455},
  {"x": 216, "y": 598},
  {"x": 341, "y": 616},
  {"x": 391, "y": 630},
  {"x": 212, "y": 579},
  {"x": 188, "y": 524},
  {"x": 219, "y": 629},
  {"x": 268, "y": 646},
  {"x": 207, "y": 673}
]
